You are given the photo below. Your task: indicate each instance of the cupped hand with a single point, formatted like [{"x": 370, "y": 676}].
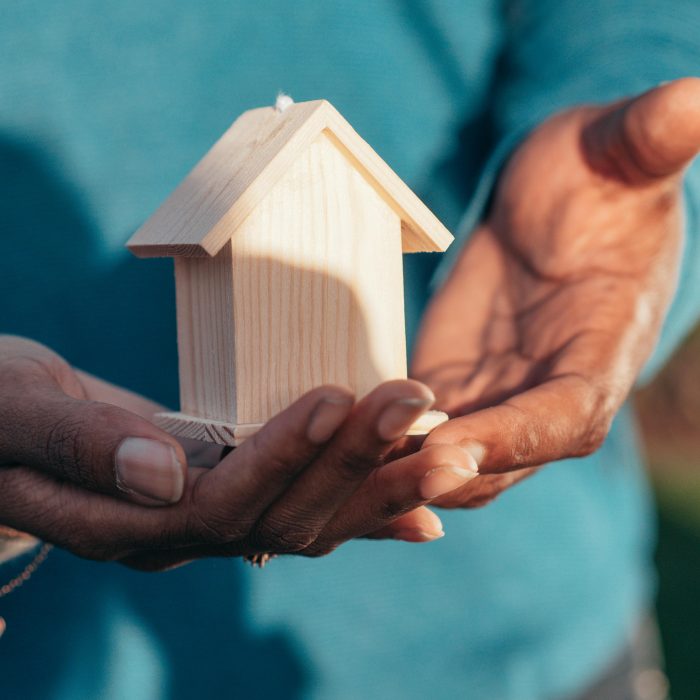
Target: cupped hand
[
  {"x": 557, "y": 300},
  {"x": 81, "y": 466}
]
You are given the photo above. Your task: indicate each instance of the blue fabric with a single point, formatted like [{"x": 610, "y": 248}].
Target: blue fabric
[{"x": 103, "y": 109}]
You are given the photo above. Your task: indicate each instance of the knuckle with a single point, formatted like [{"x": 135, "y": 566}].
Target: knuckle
[
  {"x": 593, "y": 438},
  {"x": 595, "y": 425},
  {"x": 275, "y": 464},
  {"x": 385, "y": 506},
  {"x": 350, "y": 464},
  {"x": 388, "y": 509},
  {"x": 64, "y": 453},
  {"x": 218, "y": 528},
  {"x": 527, "y": 437},
  {"x": 276, "y": 536},
  {"x": 212, "y": 522},
  {"x": 78, "y": 444},
  {"x": 525, "y": 445}
]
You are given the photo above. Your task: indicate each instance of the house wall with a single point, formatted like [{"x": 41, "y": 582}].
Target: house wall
[
  {"x": 317, "y": 287},
  {"x": 206, "y": 347}
]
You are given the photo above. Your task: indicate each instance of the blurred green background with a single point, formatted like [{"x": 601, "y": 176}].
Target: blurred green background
[{"x": 669, "y": 411}]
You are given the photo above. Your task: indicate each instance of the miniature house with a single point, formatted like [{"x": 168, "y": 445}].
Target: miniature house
[{"x": 287, "y": 238}]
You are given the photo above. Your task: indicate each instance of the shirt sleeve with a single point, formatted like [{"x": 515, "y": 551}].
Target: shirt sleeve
[{"x": 559, "y": 53}]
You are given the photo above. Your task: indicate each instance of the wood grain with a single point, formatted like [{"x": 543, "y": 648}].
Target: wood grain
[
  {"x": 227, "y": 185},
  {"x": 288, "y": 237},
  {"x": 317, "y": 287},
  {"x": 232, "y": 434},
  {"x": 208, "y": 430},
  {"x": 206, "y": 337}
]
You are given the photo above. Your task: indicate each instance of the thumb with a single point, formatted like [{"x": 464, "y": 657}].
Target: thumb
[
  {"x": 96, "y": 445},
  {"x": 650, "y": 137}
]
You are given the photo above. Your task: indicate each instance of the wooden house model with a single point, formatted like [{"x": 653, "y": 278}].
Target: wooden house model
[{"x": 287, "y": 238}]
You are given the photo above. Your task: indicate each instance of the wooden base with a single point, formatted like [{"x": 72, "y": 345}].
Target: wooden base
[{"x": 222, "y": 433}]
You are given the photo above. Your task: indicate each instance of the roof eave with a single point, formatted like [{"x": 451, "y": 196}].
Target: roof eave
[
  {"x": 422, "y": 231},
  {"x": 169, "y": 250}
]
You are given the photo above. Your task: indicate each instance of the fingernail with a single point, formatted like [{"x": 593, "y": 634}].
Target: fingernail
[
  {"x": 329, "y": 414},
  {"x": 442, "y": 480},
  {"x": 475, "y": 450},
  {"x": 435, "y": 524},
  {"x": 399, "y": 415},
  {"x": 149, "y": 468},
  {"x": 418, "y": 535}
]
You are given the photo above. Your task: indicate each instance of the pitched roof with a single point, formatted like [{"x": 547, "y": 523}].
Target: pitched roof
[{"x": 200, "y": 216}]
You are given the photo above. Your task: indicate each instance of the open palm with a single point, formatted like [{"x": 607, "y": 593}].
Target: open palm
[{"x": 557, "y": 300}]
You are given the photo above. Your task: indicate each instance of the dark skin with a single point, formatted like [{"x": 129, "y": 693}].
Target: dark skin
[
  {"x": 557, "y": 301},
  {"x": 292, "y": 488},
  {"x": 531, "y": 346}
]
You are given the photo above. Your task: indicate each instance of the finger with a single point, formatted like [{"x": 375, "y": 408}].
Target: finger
[
  {"x": 483, "y": 490},
  {"x": 397, "y": 489},
  {"x": 563, "y": 417},
  {"x": 219, "y": 504},
  {"x": 98, "y": 389},
  {"x": 394, "y": 490},
  {"x": 403, "y": 447},
  {"x": 419, "y": 525},
  {"x": 101, "y": 528},
  {"x": 88, "y": 524},
  {"x": 96, "y": 445},
  {"x": 232, "y": 497},
  {"x": 650, "y": 137},
  {"x": 231, "y": 510},
  {"x": 376, "y": 422}
]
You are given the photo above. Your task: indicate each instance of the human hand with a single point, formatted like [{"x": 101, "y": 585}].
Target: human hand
[
  {"x": 85, "y": 474},
  {"x": 557, "y": 300}
]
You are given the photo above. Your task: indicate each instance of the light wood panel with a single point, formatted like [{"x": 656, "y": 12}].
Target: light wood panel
[
  {"x": 238, "y": 170},
  {"x": 318, "y": 286},
  {"x": 216, "y": 431},
  {"x": 227, "y": 185},
  {"x": 421, "y": 230},
  {"x": 288, "y": 238},
  {"x": 222, "y": 433},
  {"x": 206, "y": 336}
]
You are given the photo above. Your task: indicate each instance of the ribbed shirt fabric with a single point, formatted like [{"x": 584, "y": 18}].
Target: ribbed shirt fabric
[{"x": 104, "y": 107}]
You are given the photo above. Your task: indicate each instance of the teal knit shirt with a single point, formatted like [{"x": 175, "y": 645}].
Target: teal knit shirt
[{"x": 104, "y": 107}]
